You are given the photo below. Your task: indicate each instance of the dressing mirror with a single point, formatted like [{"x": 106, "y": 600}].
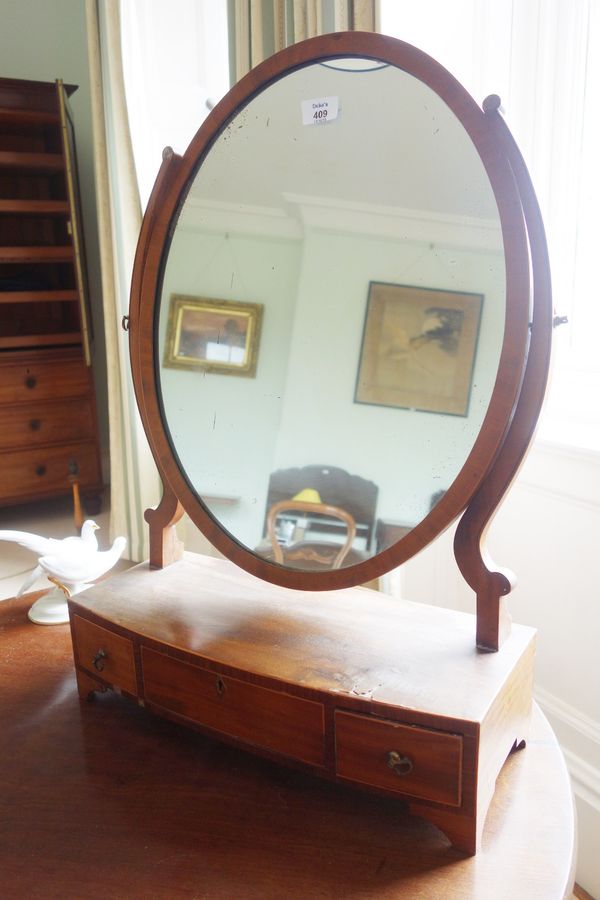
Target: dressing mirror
[
  {"x": 339, "y": 334},
  {"x": 373, "y": 241},
  {"x": 361, "y": 208}
]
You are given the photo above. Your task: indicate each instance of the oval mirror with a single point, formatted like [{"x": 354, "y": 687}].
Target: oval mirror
[{"x": 341, "y": 312}]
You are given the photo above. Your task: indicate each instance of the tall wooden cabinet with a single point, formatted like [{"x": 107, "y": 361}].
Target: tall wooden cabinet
[{"x": 48, "y": 426}]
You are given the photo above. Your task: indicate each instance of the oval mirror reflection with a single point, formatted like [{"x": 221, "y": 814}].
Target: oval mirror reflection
[{"x": 332, "y": 314}]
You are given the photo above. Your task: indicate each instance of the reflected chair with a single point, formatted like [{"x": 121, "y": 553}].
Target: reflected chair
[
  {"x": 304, "y": 553},
  {"x": 335, "y": 487}
]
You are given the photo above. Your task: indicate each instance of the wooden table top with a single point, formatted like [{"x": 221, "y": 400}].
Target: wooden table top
[
  {"x": 348, "y": 642},
  {"x": 104, "y": 799}
]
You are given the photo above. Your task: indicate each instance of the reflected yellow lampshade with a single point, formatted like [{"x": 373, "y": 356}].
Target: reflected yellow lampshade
[{"x": 308, "y": 495}]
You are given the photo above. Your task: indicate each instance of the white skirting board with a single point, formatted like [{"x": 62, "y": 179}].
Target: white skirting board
[{"x": 579, "y": 737}]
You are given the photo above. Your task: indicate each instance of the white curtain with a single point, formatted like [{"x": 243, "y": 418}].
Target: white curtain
[
  {"x": 262, "y": 27},
  {"x": 176, "y": 67},
  {"x": 543, "y": 58},
  {"x": 134, "y": 480}
]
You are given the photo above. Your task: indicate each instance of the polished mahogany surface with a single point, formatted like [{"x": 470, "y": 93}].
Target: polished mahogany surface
[
  {"x": 103, "y": 799},
  {"x": 206, "y": 644},
  {"x": 363, "y": 647}
]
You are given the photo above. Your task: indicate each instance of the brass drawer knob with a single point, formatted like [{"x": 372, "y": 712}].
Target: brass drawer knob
[
  {"x": 398, "y": 763},
  {"x": 98, "y": 660}
]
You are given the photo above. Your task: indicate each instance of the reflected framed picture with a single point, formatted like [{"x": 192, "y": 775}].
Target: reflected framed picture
[
  {"x": 213, "y": 335},
  {"x": 418, "y": 348}
]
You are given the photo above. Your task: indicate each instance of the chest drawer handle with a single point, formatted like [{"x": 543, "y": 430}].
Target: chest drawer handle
[
  {"x": 40, "y": 470},
  {"x": 98, "y": 660},
  {"x": 220, "y": 686},
  {"x": 398, "y": 763},
  {"x": 35, "y": 424},
  {"x": 30, "y": 382}
]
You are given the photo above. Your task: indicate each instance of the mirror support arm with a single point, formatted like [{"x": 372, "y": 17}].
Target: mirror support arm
[
  {"x": 165, "y": 546},
  {"x": 491, "y": 583}
]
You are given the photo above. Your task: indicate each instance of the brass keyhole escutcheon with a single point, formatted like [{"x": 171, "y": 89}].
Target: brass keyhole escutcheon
[
  {"x": 220, "y": 685},
  {"x": 98, "y": 660},
  {"x": 399, "y": 763}
]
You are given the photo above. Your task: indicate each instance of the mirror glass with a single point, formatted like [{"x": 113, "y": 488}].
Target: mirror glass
[{"x": 331, "y": 313}]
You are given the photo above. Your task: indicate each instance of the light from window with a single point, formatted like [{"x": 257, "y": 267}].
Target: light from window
[{"x": 543, "y": 58}]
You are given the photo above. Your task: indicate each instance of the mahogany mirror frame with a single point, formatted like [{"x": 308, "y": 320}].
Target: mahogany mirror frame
[{"x": 518, "y": 392}]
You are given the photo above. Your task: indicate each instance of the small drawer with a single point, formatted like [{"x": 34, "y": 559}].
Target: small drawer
[
  {"x": 105, "y": 654},
  {"x": 406, "y": 759},
  {"x": 266, "y": 718},
  {"x": 44, "y": 380},
  {"x": 33, "y": 424},
  {"x": 46, "y": 470}
]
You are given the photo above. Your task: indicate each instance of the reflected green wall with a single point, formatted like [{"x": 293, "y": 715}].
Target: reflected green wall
[
  {"x": 232, "y": 432},
  {"x": 224, "y": 425},
  {"x": 409, "y": 454}
]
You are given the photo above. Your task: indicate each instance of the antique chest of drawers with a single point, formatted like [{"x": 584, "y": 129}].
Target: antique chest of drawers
[
  {"x": 47, "y": 425},
  {"x": 321, "y": 681},
  {"x": 48, "y": 431}
]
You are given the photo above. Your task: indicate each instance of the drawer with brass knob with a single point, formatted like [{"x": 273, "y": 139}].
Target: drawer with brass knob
[
  {"x": 407, "y": 759},
  {"x": 286, "y": 724},
  {"x": 33, "y": 424},
  {"x": 47, "y": 420},
  {"x": 23, "y": 382},
  {"x": 105, "y": 654},
  {"x": 39, "y": 471}
]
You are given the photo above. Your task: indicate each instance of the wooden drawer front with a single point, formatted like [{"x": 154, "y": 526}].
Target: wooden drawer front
[
  {"x": 46, "y": 470},
  {"x": 116, "y": 666},
  {"x": 428, "y": 763},
  {"x": 33, "y": 424},
  {"x": 44, "y": 380},
  {"x": 288, "y": 725}
]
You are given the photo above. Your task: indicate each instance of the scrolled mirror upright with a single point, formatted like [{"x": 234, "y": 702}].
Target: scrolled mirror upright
[
  {"x": 338, "y": 308},
  {"x": 339, "y": 333}
]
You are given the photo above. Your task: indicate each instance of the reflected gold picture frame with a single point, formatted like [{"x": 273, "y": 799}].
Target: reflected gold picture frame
[{"x": 220, "y": 336}]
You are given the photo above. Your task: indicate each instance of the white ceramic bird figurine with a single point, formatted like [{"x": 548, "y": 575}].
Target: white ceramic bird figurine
[
  {"x": 71, "y": 563},
  {"x": 75, "y": 573}
]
